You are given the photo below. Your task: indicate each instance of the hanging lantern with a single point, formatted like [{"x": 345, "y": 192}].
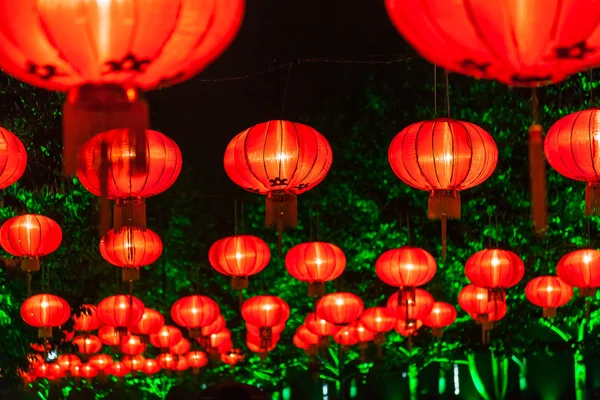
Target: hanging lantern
[
  {"x": 548, "y": 292},
  {"x": 257, "y": 345},
  {"x": 181, "y": 364},
  {"x": 68, "y": 361},
  {"x": 443, "y": 157},
  {"x": 232, "y": 357},
  {"x": 363, "y": 334},
  {"x": 117, "y": 369},
  {"x": 442, "y": 315},
  {"x": 167, "y": 337},
  {"x": 265, "y": 312},
  {"x": 150, "y": 323},
  {"x": 315, "y": 263},
  {"x": 346, "y": 336},
  {"x": 130, "y": 249},
  {"x": 341, "y": 308},
  {"x": 151, "y": 366},
  {"x": 407, "y": 329},
  {"x": 134, "y": 362},
  {"x": 128, "y": 189},
  {"x": 475, "y": 300},
  {"x": 279, "y": 159},
  {"x": 87, "y": 320},
  {"x": 42, "y": 370},
  {"x": 109, "y": 336},
  {"x": 120, "y": 311},
  {"x": 303, "y": 346},
  {"x": 255, "y": 330},
  {"x": 313, "y": 340},
  {"x": 207, "y": 331},
  {"x": 581, "y": 269},
  {"x": 88, "y": 344},
  {"x": 413, "y": 310},
  {"x": 218, "y": 340},
  {"x": 100, "y": 361},
  {"x": 519, "y": 43},
  {"x": 182, "y": 347},
  {"x": 88, "y": 372},
  {"x": 495, "y": 270},
  {"x": 45, "y": 311},
  {"x": 196, "y": 360},
  {"x": 106, "y": 68},
  {"x": 166, "y": 360},
  {"x": 406, "y": 268},
  {"x": 239, "y": 257},
  {"x": 132, "y": 345},
  {"x": 13, "y": 158},
  {"x": 320, "y": 327},
  {"x": 30, "y": 237},
  {"x": 195, "y": 312},
  {"x": 55, "y": 371},
  {"x": 379, "y": 320},
  {"x": 498, "y": 312}
]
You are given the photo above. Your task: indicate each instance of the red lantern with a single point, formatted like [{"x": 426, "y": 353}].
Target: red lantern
[
  {"x": 45, "y": 311},
  {"x": 498, "y": 312},
  {"x": 30, "y": 236},
  {"x": 255, "y": 345},
  {"x": 125, "y": 47},
  {"x": 134, "y": 362},
  {"x": 255, "y": 330},
  {"x": 128, "y": 188},
  {"x": 407, "y": 329},
  {"x": 548, "y": 292},
  {"x": 341, "y": 308},
  {"x": 150, "y": 323},
  {"x": 120, "y": 311},
  {"x": 55, "y": 371},
  {"x": 265, "y": 312},
  {"x": 42, "y": 370},
  {"x": 346, "y": 336},
  {"x": 219, "y": 340},
  {"x": 197, "y": 360},
  {"x": 166, "y": 360},
  {"x": 182, "y": 347},
  {"x": 224, "y": 347},
  {"x": 195, "y": 312},
  {"x": 413, "y": 310},
  {"x": 319, "y": 326},
  {"x": 100, "y": 361},
  {"x": 315, "y": 263},
  {"x": 441, "y": 315},
  {"x": 88, "y": 344},
  {"x": 443, "y": 157},
  {"x": 519, "y": 43},
  {"x": 207, "y": 331},
  {"x": 581, "y": 269},
  {"x": 168, "y": 336},
  {"x": 109, "y": 336},
  {"x": 132, "y": 345},
  {"x": 130, "y": 249},
  {"x": 87, "y": 320},
  {"x": 232, "y": 357},
  {"x": 363, "y": 334},
  {"x": 239, "y": 257},
  {"x": 68, "y": 361},
  {"x": 279, "y": 159},
  {"x": 88, "y": 372},
  {"x": 311, "y": 339},
  {"x": 495, "y": 270},
  {"x": 378, "y": 320},
  {"x": 475, "y": 300},
  {"x": 181, "y": 364},
  {"x": 13, "y": 158},
  {"x": 151, "y": 366},
  {"x": 117, "y": 369},
  {"x": 308, "y": 349}
]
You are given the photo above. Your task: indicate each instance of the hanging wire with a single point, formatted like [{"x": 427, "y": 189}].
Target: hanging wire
[
  {"x": 497, "y": 230},
  {"x": 318, "y": 226},
  {"x": 242, "y": 230},
  {"x": 434, "y": 91},
  {"x": 490, "y": 231},
  {"x": 589, "y": 232},
  {"x": 310, "y": 224},
  {"x": 447, "y": 94},
  {"x": 408, "y": 229},
  {"x": 535, "y": 113},
  {"x": 591, "y": 100},
  {"x": 235, "y": 217},
  {"x": 400, "y": 227},
  {"x": 285, "y": 90}
]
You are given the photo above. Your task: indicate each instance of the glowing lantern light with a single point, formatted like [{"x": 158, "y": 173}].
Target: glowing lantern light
[
  {"x": 182, "y": 347},
  {"x": 150, "y": 323},
  {"x": 134, "y": 362},
  {"x": 407, "y": 329},
  {"x": 13, "y": 158},
  {"x": 68, "y": 361},
  {"x": 413, "y": 310},
  {"x": 363, "y": 334},
  {"x": 341, "y": 308},
  {"x": 256, "y": 345},
  {"x": 167, "y": 337},
  {"x": 265, "y": 312},
  {"x": 45, "y": 311},
  {"x": 321, "y": 328},
  {"x": 109, "y": 336},
  {"x": 499, "y": 311},
  {"x": 378, "y": 320},
  {"x": 441, "y": 315},
  {"x": 255, "y": 330},
  {"x": 315, "y": 263},
  {"x": 181, "y": 364},
  {"x": 151, "y": 366},
  {"x": 197, "y": 360},
  {"x": 88, "y": 371},
  {"x": 120, "y": 311},
  {"x": 132, "y": 345},
  {"x": 581, "y": 269},
  {"x": 195, "y": 312},
  {"x": 117, "y": 369},
  {"x": 232, "y": 357},
  {"x": 87, "y": 320},
  {"x": 548, "y": 292},
  {"x": 100, "y": 361},
  {"x": 88, "y": 344},
  {"x": 55, "y": 371},
  {"x": 166, "y": 360},
  {"x": 346, "y": 336},
  {"x": 207, "y": 331},
  {"x": 218, "y": 341},
  {"x": 495, "y": 270}
]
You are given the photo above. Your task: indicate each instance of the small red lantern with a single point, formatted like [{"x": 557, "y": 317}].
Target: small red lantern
[
  {"x": 255, "y": 330},
  {"x": 443, "y": 157},
  {"x": 265, "y": 312},
  {"x": 132, "y": 345},
  {"x": 197, "y": 360},
  {"x": 45, "y": 311},
  {"x": 207, "y": 331},
  {"x": 476, "y": 300},
  {"x": 130, "y": 249},
  {"x": 581, "y": 269},
  {"x": 319, "y": 326},
  {"x": 495, "y": 270},
  {"x": 315, "y": 263},
  {"x": 87, "y": 320},
  {"x": 100, "y": 361},
  {"x": 363, "y": 334},
  {"x": 150, "y": 323},
  {"x": 413, "y": 310},
  {"x": 30, "y": 236},
  {"x": 42, "y": 370},
  {"x": 498, "y": 312},
  {"x": 279, "y": 159},
  {"x": 182, "y": 347},
  {"x": 88, "y": 344},
  {"x": 378, "y": 320},
  {"x": 151, "y": 366},
  {"x": 117, "y": 369},
  {"x": 442, "y": 315},
  {"x": 346, "y": 336},
  {"x": 195, "y": 312},
  {"x": 219, "y": 340},
  {"x": 166, "y": 360},
  {"x": 341, "y": 308},
  {"x": 109, "y": 336},
  {"x": 407, "y": 329},
  {"x": 55, "y": 372},
  {"x": 181, "y": 364},
  {"x": 68, "y": 361},
  {"x": 310, "y": 338},
  {"x": 120, "y": 311},
  {"x": 13, "y": 158},
  {"x": 88, "y": 372},
  {"x": 308, "y": 349},
  {"x": 232, "y": 357},
  {"x": 167, "y": 336},
  {"x": 548, "y": 292},
  {"x": 134, "y": 362},
  {"x": 255, "y": 345},
  {"x": 239, "y": 257}
]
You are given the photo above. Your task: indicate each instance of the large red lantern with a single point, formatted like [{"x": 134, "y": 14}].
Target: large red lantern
[
  {"x": 519, "y": 43},
  {"x": 378, "y": 320},
  {"x": 442, "y": 315},
  {"x": 120, "y": 311},
  {"x": 88, "y": 344},
  {"x": 443, "y": 157},
  {"x": 68, "y": 361},
  {"x": 100, "y": 361},
  {"x": 315, "y": 263},
  {"x": 150, "y": 323},
  {"x": 239, "y": 257},
  {"x": 132, "y": 345},
  {"x": 163, "y": 165},
  {"x": 30, "y": 236},
  {"x": 495, "y": 270},
  {"x": 13, "y": 158},
  {"x": 123, "y": 47},
  {"x": 279, "y": 159},
  {"x": 412, "y": 310},
  {"x": 195, "y": 312},
  {"x": 581, "y": 269},
  {"x": 476, "y": 301},
  {"x": 265, "y": 312},
  {"x": 87, "y": 320},
  {"x": 167, "y": 336},
  {"x": 151, "y": 366},
  {"x": 45, "y": 311},
  {"x": 130, "y": 249},
  {"x": 108, "y": 335},
  {"x": 548, "y": 292},
  {"x": 341, "y": 308}
]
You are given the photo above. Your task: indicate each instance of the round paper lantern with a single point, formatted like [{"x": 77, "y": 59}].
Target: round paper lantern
[
  {"x": 519, "y": 43},
  {"x": 406, "y": 268},
  {"x": 581, "y": 269},
  {"x": 548, "y": 292},
  {"x": 166, "y": 360},
  {"x": 134, "y": 362},
  {"x": 195, "y": 312},
  {"x": 475, "y": 300},
  {"x": 181, "y": 364},
  {"x": 30, "y": 236},
  {"x": 443, "y": 157},
  {"x": 308, "y": 337},
  {"x": 55, "y": 371},
  {"x": 254, "y": 344},
  {"x": 232, "y": 357},
  {"x": 117, "y": 369},
  {"x": 239, "y": 257},
  {"x": 498, "y": 312},
  {"x": 442, "y": 315},
  {"x": 279, "y": 159},
  {"x": 68, "y": 361},
  {"x": 182, "y": 347},
  {"x": 88, "y": 372},
  {"x": 495, "y": 270},
  {"x": 88, "y": 344},
  {"x": 130, "y": 249},
  {"x": 341, "y": 308},
  {"x": 13, "y": 158},
  {"x": 123, "y": 47},
  {"x": 224, "y": 347},
  {"x": 151, "y": 366},
  {"x": 125, "y": 185},
  {"x": 413, "y": 310},
  {"x": 207, "y": 331},
  {"x": 321, "y": 328},
  {"x": 346, "y": 336},
  {"x": 363, "y": 334},
  {"x": 45, "y": 311},
  {"x": 315, "y": 263},
  {"x": 150, "y": 323},
  {"x": 120, "y": 311},
  {"x": 42, "y": 370},
  {"x": 197, "y": 360},
  {"x": 109, "y": 336},
  {"x": 167, "y": 336},
  {"x": 87, "y": 320},
  {"x": 300, "y": 344},
  {"x": 132, "y": 345},
  {"x": 100, "y": 361},
  {"x": 407, "y": 329},
  {"x": 378, "y": 320},
  {"x": 265, "y": 312}
]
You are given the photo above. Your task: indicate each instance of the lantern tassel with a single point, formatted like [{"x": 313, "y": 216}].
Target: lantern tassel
[
  {"x": 588, "y": 308},
  {"x": 240, "y": 299},
  {"x": 281, "y": 212},
  {"x": 592, "y": 198},
  {"x": 130, "y": 213},
  {"x": 444, "y": 238},
  {"x": 409, "y": 345},
  {"x": 537, "y": 170}
]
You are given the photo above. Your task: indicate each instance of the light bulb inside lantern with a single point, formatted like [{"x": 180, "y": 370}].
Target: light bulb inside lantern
[{"x": 495, "y": 262}]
